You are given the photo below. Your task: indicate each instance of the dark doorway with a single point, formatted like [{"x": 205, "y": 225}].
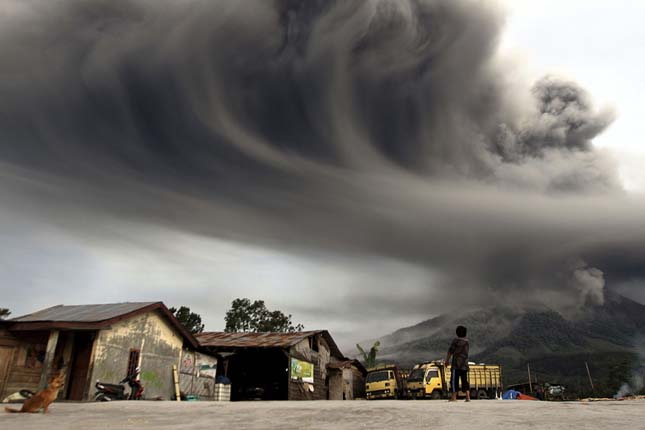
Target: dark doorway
[
  {"x": 259, "y": 375},
  {"x": 81, "y": 354}
]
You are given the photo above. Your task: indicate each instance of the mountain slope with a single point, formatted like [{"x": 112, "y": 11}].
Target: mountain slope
[{"x": 608, "y": 337}]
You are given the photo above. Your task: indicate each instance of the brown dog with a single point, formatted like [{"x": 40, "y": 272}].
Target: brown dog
[{"x": 43, "y": 398}]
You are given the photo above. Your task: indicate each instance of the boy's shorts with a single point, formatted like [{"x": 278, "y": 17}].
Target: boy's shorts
[{"x": 456, "y": 375}]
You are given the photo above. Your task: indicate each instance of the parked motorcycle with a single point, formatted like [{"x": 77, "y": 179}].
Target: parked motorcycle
[{"x": 108, "y": 392}]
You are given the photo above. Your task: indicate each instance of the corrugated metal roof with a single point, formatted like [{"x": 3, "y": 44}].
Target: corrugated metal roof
[
  {"x": 253, "y": 340},
  {"x": 227, "y": 341},
  {"x": 82, "y": 313}
]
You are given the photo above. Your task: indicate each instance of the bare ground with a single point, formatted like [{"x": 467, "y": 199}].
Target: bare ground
[{"x": 394, "y": 415}]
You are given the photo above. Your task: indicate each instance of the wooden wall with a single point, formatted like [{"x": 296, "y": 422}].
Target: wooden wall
[{"x": 25, "y": 369}]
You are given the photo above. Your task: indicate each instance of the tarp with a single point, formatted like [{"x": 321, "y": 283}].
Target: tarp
[
  {"x": 511, "y": 395},
  {"x": 525, "y": 397}
]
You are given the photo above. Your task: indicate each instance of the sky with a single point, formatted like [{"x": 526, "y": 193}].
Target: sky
[{"x": 361, "y": 166}]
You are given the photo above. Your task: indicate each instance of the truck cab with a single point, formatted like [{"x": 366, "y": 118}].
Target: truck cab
[
  {"x": 426, "y": 381},
  {"x": 383, "y": 382}
]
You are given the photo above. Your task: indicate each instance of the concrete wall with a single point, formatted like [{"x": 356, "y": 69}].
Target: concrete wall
[{"x": 160, "y": 345}]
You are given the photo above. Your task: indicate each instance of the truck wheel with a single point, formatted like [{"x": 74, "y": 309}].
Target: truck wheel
[
  {"x": 482, "y": 394},
  {"x": 473, "y": 394},
  {"x": 436, "y": 395}
]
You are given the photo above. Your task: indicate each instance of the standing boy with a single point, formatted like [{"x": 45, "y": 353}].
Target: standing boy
[{"x": 459, "y": 367}]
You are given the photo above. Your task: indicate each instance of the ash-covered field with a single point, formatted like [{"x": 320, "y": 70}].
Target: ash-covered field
[{"x": 483, "y": 414}]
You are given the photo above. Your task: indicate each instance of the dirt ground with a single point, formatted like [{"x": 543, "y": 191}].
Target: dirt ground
[{"x": 337, "y": 415}]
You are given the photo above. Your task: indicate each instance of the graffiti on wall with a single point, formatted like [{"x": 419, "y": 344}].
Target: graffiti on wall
[
  {"x": 207, "y": 370},
  {"x": 187, "y": 363},
  {"x": 197, "y": 374}
]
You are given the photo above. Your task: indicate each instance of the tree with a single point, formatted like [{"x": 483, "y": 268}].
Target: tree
[
  {"x": 4, "y": 312},
  {"x": 369, "y": 359},
  {"x": 190, "y": 320},
  {"x": 247, "y": 316}
]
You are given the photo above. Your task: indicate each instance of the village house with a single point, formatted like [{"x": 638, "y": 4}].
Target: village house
[
  {"x": 285, "y": 366},
  {"x": 107, "y": 342},
  {"x": 103, "y": 342}
]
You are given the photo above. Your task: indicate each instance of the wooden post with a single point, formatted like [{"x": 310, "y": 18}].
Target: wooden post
[
  {"x": 175, "y": 378},
  {"x": 67, "y": 351},
  {"x": 589, "y": 375},
  {"x": 193, "y": 371},
  {"x": 528, "y": 366},
  {"x": 49, "y": 358},
  {"x": 67, "y": 361},
  {"x": 288, "y": 374}
]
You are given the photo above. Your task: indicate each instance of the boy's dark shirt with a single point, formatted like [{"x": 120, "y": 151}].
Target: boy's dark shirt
[{"x": 459, "y": 350}]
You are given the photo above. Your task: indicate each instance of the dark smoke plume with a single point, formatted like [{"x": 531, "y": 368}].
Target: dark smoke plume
[{"x": 383, "y": 127}]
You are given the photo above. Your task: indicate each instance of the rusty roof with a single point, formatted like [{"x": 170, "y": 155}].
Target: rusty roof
[
  {"x": 346, "y": 364},
  {"x": 93, "y": 317},
  {"x": 82, "y": 313},
  {"x": 224, "y": 340}
]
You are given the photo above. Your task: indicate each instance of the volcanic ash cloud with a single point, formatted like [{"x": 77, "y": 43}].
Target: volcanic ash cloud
[{"x": 382, "y": 127}]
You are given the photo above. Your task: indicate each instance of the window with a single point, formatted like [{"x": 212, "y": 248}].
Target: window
[
  {"x": 133, "y": 361},
  {"x": 314, "y": 343},
  {"x": 432, "y": 374},
  {"x": 34, "y": 356},
  {"x": 416, "y": 375},
  {"x": 377, "y": 376}
]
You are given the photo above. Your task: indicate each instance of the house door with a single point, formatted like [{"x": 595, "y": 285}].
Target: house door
[
  {"x": 335, "y": 384},
  {"x": 6, "y": 354},
  {"x": 82, "y": 351}
]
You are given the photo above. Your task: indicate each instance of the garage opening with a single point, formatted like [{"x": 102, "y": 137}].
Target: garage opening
[{"x": 259, "y": 375}]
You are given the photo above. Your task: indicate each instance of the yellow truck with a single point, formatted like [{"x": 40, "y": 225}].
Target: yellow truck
[
  {"x": 384, "y": 382},
  {"x": 432, "y": 380}
]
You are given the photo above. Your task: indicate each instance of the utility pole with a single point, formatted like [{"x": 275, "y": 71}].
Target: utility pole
[
  {"x": 528, "y": 367},
  {"x": 589, "y": 375}
]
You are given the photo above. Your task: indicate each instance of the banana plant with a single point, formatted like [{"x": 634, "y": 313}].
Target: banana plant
[{"x": 369, "y": 359}]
